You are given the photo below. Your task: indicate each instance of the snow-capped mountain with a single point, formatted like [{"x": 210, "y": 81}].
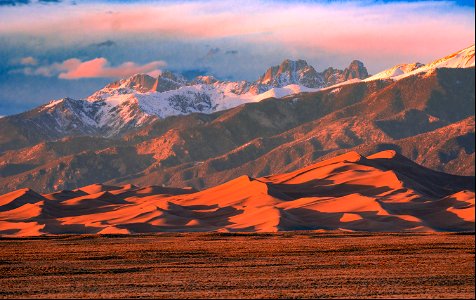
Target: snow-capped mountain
[
  {"x": 291, "y": 72},
  {"x": 396, "y": 71},
  {"x": 461, "y": 59},
  {"x": 140, "y": 99},
  {"x": 136, "y": 100}
]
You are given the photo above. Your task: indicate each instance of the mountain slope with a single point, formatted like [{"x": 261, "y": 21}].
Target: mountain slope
[
  {"x": 426, "y": 116},
  {"x": 460, "y": 59},
  {"x": 131, "y": 103},
  {"x": 382, "y": 192},
  {"x": 291, "y": 72},
  {"x": 411, "y": 115}
]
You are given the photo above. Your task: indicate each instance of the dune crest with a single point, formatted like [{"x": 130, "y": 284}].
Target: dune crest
[{"x": 381, "y": 192}]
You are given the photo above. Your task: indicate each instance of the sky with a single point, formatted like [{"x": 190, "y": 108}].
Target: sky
[{"x": 50, "y": 49}]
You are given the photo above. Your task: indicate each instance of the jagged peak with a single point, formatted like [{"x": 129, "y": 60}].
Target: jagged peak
[
  {"x": 142, "y": 82},
  {"x": 205, "y": 79},
  {"x": 172, "y": 75},
  {"x": 140, "y": 76},
  {"x": 356, "y": 70},
  {"x": 297, "y": 63},
  {"x": 291, "y": 72},
  {"x": 356, "y": 62}
]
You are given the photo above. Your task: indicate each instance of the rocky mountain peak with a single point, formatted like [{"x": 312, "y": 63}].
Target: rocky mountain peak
[
  {"x": 291, "y": 72},
  {"x": 144, "y": 83},
  {"x": 355, "y": 70},
  {"x": 172, "y": 76},
  {"x": 139, "y": 82},
  {"x": 292, "y": 65},
  {"x": 204, "y": 80},
  {"x": 168, "y": 81}
]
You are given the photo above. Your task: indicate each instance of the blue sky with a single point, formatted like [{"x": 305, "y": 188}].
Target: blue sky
[{"x": 53, "y": 49}]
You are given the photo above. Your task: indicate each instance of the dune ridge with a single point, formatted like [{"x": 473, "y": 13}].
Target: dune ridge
[{"x": 381, "y": 192}]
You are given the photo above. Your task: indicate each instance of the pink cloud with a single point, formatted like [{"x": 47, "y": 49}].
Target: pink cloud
[
  {"x": 99, "y": 67},
  {"x": 365, "y": 29},
  {"x": 29, "y": 60}
]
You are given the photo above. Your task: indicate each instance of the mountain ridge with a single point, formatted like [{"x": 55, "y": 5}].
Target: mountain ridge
[{"x": 128, "y": 104}]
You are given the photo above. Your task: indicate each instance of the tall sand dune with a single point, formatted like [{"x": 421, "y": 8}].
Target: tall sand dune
[{"x": 381, "y": 192}]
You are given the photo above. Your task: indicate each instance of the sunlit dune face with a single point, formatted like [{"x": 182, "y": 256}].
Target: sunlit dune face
[{"x": 380, "y": 192}]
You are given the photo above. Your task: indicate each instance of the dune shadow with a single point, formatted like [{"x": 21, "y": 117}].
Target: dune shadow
[{"x": 327, "y": 188}]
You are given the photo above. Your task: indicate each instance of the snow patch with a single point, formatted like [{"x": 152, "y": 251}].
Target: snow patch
[
  {"x": 284, "y": 91},
  {"x": 52, "y": 103}
]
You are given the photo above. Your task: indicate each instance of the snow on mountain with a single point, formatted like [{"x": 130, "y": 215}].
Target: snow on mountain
[
  {"x": 136, "y": 100},
  {"x": 141, "y": 98},
  {"x": 145, "y": 83},
  {"x": 292, "y": 72},
  {"x": 461, "y": 59},
  {"x": 284, "y": 91},
  {"x": 203, "y": 98},
  {"x": 396, "y": 71},
  {"x": 68, "y": 116}
]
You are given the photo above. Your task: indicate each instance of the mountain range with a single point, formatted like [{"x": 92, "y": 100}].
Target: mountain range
[
  {"x": 381, "y": 192},
  {"x": 141, "y": 99},
  {"x": 201, "y": 133}
]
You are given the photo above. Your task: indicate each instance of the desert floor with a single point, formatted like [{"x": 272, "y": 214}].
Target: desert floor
[{"x": 282, "y": 265}]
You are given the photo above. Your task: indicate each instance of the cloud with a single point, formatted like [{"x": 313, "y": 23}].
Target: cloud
[
  {"x": 381, "y": 33},
  {"x": 28, "y": 61},
  {"x": 13, "y": 2},
  {"x": 95, "y": 68},
  {"x": 210, "y": 54},
  {"x": 377, "y": 27},
  {"x": 192, "y": 73},
  {"x": 104, "y": 44},
  {"x": 25, "y": 2},
  {"x": 213, "y": 51}
]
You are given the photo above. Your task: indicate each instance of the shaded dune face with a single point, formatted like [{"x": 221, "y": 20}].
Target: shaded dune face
[{"x": 381, "y": 192}]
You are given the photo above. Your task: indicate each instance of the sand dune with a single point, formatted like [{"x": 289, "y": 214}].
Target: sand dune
[{"x": 381, "y": 192}]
